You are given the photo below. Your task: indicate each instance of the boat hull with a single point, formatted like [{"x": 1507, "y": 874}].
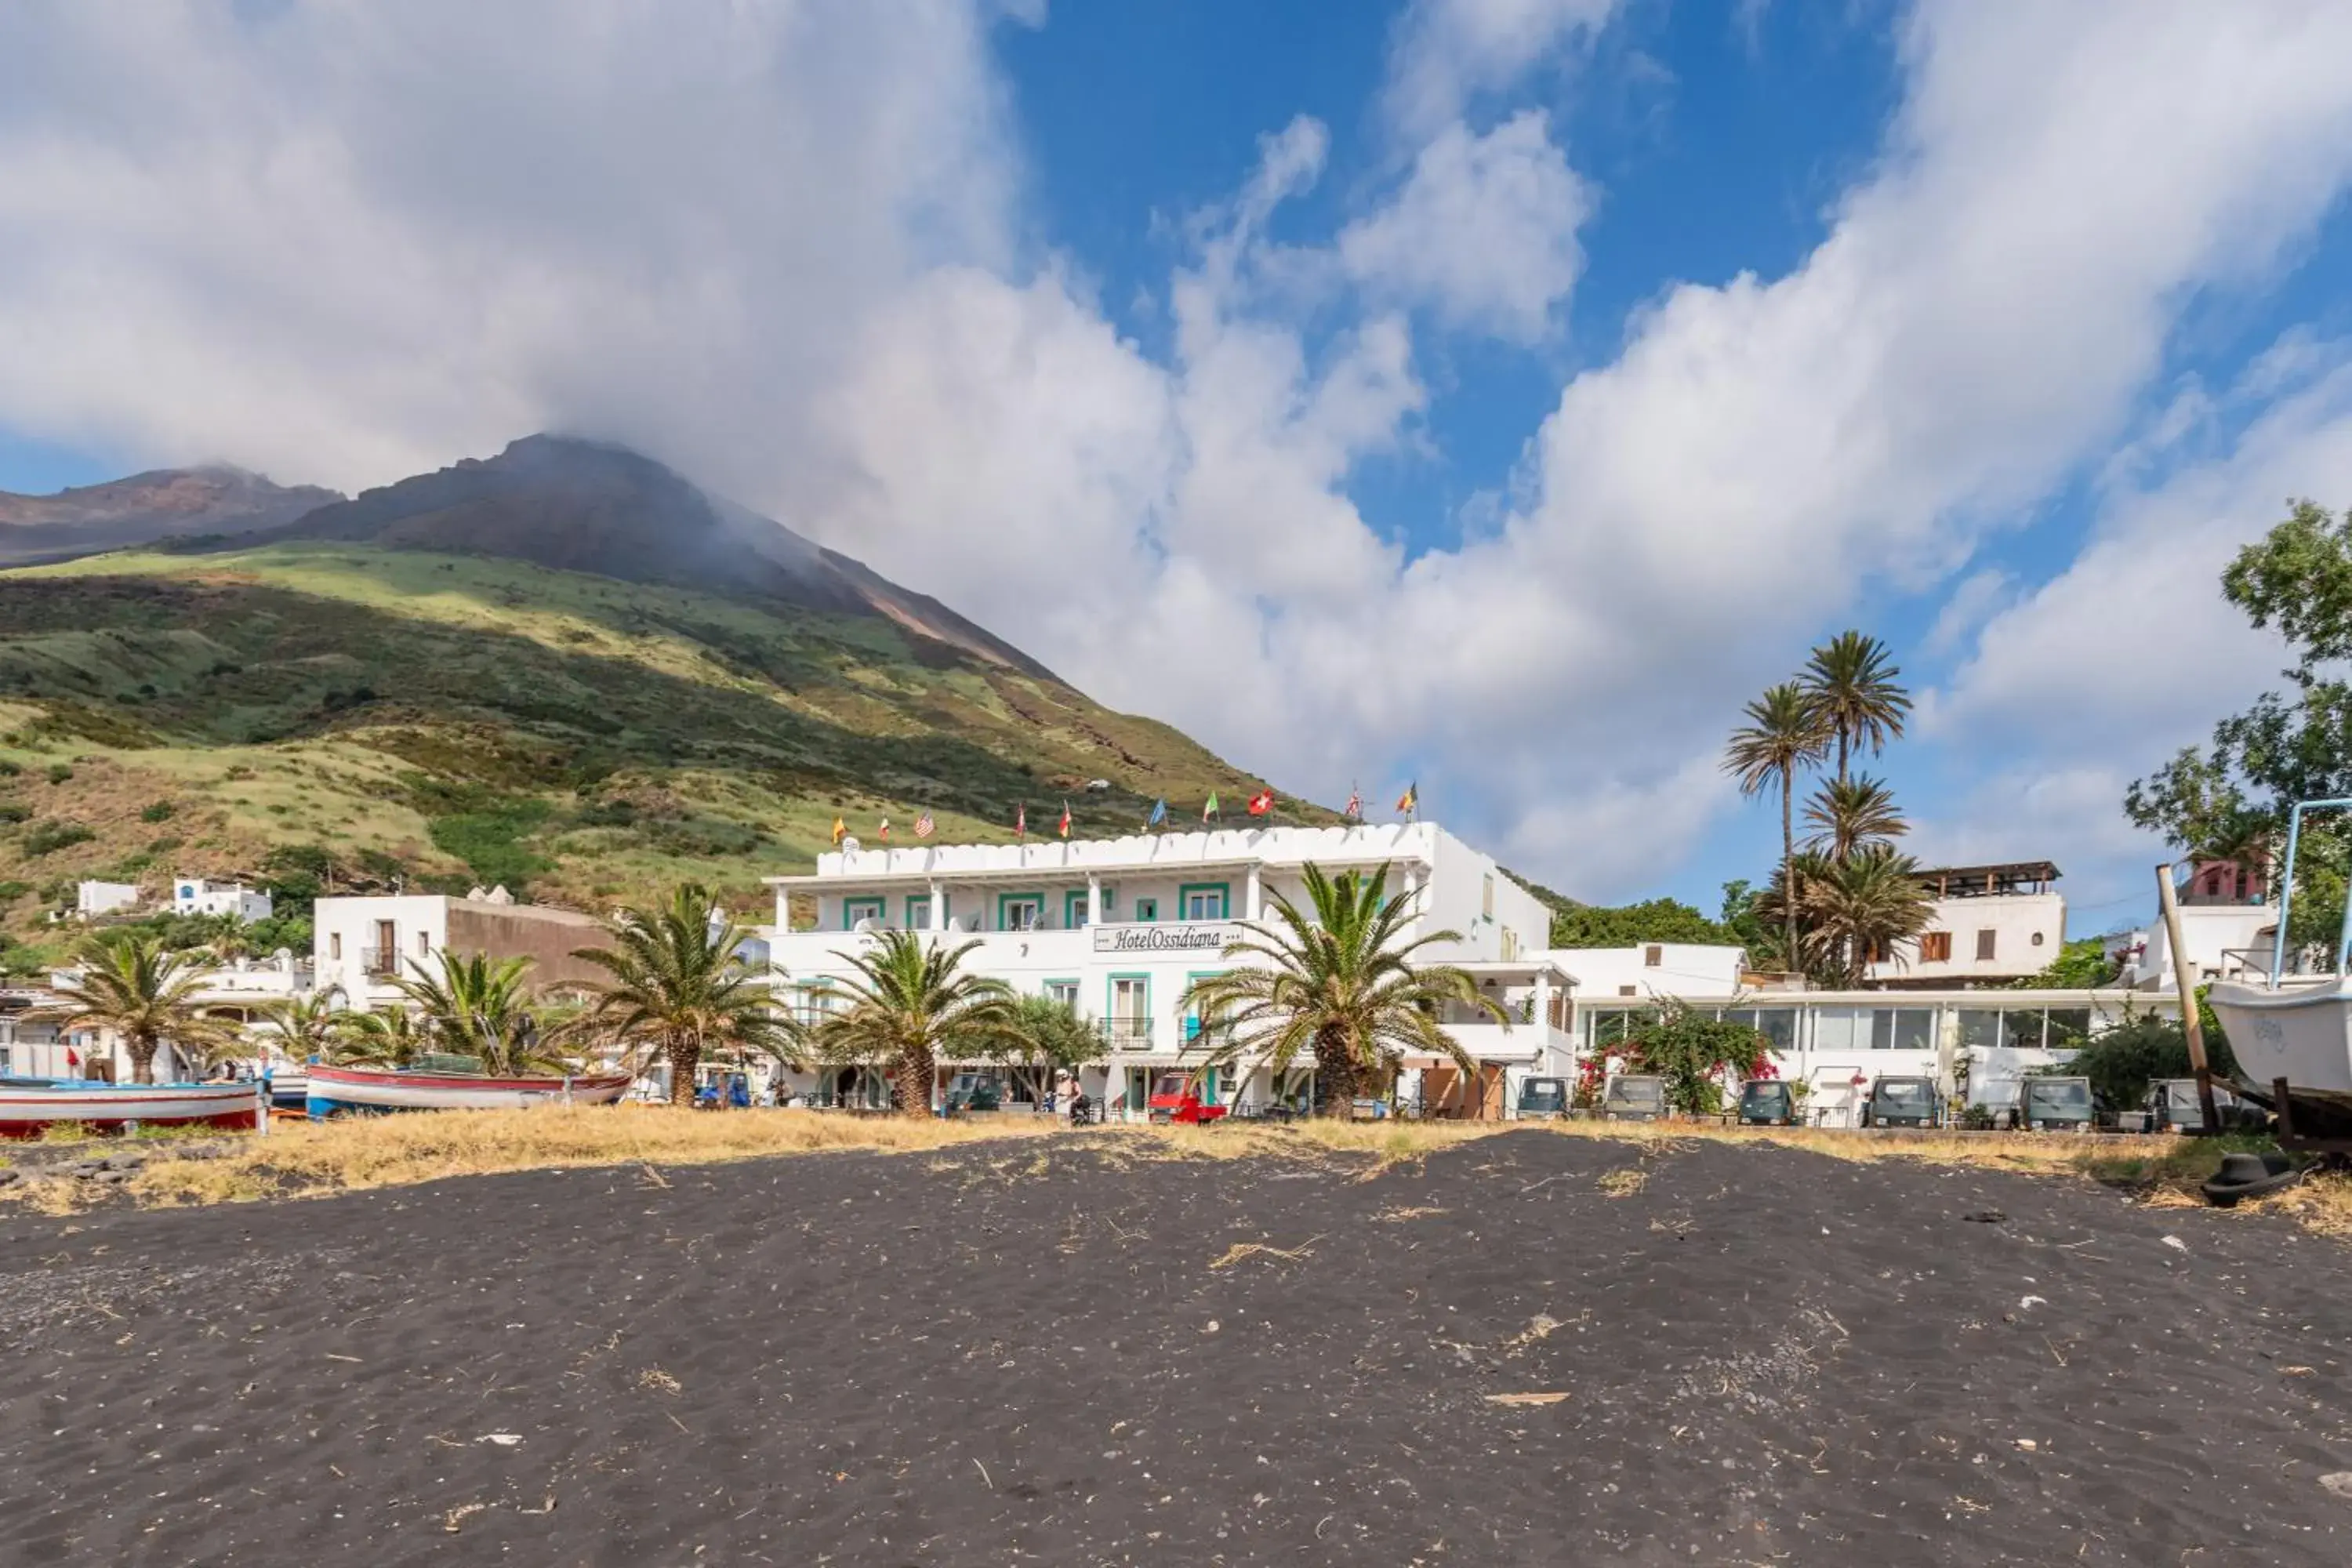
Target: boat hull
[
  {"x": 2301, "y": 1033},
  {"x": 341, "y": 1090},
  {"x": 27, "y": 1111}
]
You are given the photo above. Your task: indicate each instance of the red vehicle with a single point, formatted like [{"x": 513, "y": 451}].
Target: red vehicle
[{"x": 1173, "y": 1099}]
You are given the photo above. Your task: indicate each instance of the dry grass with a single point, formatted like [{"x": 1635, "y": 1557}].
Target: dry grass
[{"x": 302, "y": 1158}]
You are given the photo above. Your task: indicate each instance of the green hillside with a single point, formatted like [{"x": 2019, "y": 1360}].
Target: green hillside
[{"x": 354, "y": 716}]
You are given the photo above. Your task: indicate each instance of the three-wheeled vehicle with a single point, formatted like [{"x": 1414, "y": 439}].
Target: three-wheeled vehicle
[
  {"x": 973, "y": 1092},
  {"x": 2172, "y": 1107},
  {"x": 1174, "y": 1098},
  {"x": 1634, "y": 1097},
  {"x": 1903, "y": 1102},
  {"x": 2056, "y": 1105},
  {"x": 1543, "y": 1096},
  {"x": 1767, "y": 1102}
]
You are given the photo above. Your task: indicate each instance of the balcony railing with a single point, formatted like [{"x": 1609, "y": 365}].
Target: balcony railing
[
  {"x": 380, "y": 962},
  {"x": 1125, "y": 1034}
]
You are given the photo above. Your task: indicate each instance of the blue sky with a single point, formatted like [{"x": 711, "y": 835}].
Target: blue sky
[{"x": 1491, "y": 391}]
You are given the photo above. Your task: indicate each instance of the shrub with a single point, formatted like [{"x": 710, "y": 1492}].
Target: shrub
[
  {"x": 11, "y": 891},
  {"x": 1692, "y": 1052},
  {"x": 60, "y": 771},
  {"x": 10, "y": 811},
  {"x": 46, "y": 837},
  {"x": 2122, "y": 1062},
  {"x": 160, "y": 811}
]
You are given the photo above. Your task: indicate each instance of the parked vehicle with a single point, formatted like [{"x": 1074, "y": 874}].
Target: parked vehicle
[
  {"x": 1543, "y": 1096},
  {"x": 973, "y": 1092},
  {"x": 2056, "y": 1105},
  {"x": 1634, "y": 1097},
  {"x": 1173, "y": 1099},
  {"x": 2172, "y": 1107},
  {"x": 1767, "y": 1102},
  {"x": 1903, "y": 1102}
]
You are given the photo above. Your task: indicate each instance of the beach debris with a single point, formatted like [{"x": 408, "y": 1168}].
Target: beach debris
[
  {"x": 2340, "y": 1483},
  {"x": 1241, "y": 1250},
  {"x": 503, "y": 1439},
  {"x": 2027, "y": 1444},
  {"x": 1985, "y": 1216},
  {"x": 458, "y": 1515},
  {"x": 2175, "y": 1243},
  {"x": 1210, "y": 1327},
  {"x": 658, "y": 1380},
  {"x": 1546, "y": 1398},
  {"x": 1623, "y": 1183},
  {"x": 2027, "y": 1303}
]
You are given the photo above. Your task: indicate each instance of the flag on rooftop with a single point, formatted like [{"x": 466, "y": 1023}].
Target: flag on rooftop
[
  {"x": 840, "y": 831},
  {"x": 885, "y": 834},
  {"x": 1021, "y": 820},
  {"x": 1159, "y": 813},
  {"x": 1210, "y": 810},
  {"x": 1410, "y": 801},
  {"x": 1261, "y": 803},
  {"x": 1355, "y": 811},
  {"x": 923, "y": 825},
  {"x": 1066, "y": 819}
]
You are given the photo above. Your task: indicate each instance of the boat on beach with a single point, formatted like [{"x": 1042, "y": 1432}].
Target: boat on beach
[
  {"x": 30, "y": 1105},
  {"x": 370, "y": 1091}
]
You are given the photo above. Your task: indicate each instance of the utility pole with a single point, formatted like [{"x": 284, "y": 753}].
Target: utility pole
[{"x": 2185, "y": 983}]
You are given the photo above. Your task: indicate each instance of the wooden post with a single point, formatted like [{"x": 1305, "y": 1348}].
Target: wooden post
[{"x": 2186, "y": 983}]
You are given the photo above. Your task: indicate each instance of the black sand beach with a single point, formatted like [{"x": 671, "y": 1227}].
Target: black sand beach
[{"x": 1018, "y": 1353}]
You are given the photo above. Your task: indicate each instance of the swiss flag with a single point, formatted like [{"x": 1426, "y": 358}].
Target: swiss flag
[
  {"x": 73, "y": 1057},
  {"x": 1261, "y": 803}
]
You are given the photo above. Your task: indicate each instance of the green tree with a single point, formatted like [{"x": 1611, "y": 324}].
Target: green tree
[
  {"x": 2122, "y": 1062},
  {"x": 2081, "y": 965},
  {"x": 678, "y": 987},
  {"x": 1659, "y": 920},
  {"x": 383, "y": 1037},
  {"x": 1786, "y": 732},
  {"x": 911, "y": 1004},
  {"x": 478, "y": 1006},
  {"x": 1692, "y": 1052},
  {"x": 1340, "y": 982},
  {"x": 1849, "y": 681},
  {"x": 129, "y": 986},
  {"x": 1049, "y": 1035},
  {"x": 1850, "y": 814},
  {"x": 308, "y": 1025}
]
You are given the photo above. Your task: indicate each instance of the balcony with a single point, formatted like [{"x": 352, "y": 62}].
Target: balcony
[
  {"x": 380, "y": 962},
  {"x": 1125, "y": 1034}
]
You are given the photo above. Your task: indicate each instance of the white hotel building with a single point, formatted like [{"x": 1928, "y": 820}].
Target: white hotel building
[{"x": 1117, "y": 928}]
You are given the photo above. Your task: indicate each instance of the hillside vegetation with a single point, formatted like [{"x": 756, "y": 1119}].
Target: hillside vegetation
[{"x": 347, "y": 716}]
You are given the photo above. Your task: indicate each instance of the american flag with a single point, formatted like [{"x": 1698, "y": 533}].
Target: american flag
[{"x": 923, "y": 825}]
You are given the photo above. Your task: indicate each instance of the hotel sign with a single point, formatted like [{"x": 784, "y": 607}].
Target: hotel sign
[{"x": 1209, "y": 938}]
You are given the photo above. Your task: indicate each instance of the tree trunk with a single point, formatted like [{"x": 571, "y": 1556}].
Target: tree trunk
[
  {"x": 1841, "y": 754},
  {"x": 1789, "y": 863},
  {"x": 916, "y": 1071},
  {"x": 684, "y": 1055},
  {"x": 142, "y": 1059},
  {"x": 1335, "y": 1073}
]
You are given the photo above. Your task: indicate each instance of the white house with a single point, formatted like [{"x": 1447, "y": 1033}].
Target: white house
[
  {"x": 92, "y": 899},
  {"x": 361, "y": 945},
  {"x": 2223, "y": 941},
  {"x": 196, "y": 896},
  {"x": 1653, "y": 970},
  {"x": 1119, "y": 926},
  {"x": 1990, "y": 925}
]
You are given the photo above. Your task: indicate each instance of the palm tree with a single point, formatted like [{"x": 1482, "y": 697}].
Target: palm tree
[
  {"x": 1861, "y": 906},
  {"x": 1785, "y": 732},
  {"x": 1849, "y": 681},
  {"x": 478, "y": 1006},
  {"x": 231, "y": 938},
  {"x": 1853, "y": 814},
  {"x": 912, "y": 1003},
  {"x": 383, "y": 1037},
  {"x": 1338, "y": 981},
  {"x": 129, "y": 986},
  {"x": 306, "y": 1027},
  {"x": 680, "y": 986}
]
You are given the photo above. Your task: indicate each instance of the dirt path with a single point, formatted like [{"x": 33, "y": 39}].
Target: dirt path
[{"x": 1064, "y": 1355}]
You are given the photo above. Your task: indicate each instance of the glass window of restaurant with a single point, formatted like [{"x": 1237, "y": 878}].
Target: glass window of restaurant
[
  {"x": 1903, "y": 1029},
  {"x": 2069, "y": 1027}
]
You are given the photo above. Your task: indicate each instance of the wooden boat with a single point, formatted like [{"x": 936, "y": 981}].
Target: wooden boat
[
  {"x": 28, "y": 1106},
  {"x": 290, "y": 1089},
  {"x": 369, "y": 1090}
]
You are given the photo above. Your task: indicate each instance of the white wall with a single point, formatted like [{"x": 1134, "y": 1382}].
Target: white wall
[
  {"x": 92, "y": 898},
  {"x": 2217, "y": 937},
  {"x": 2028, "y": 930},
  {"x": 344, "y": 933},
  {"x": 1652, "y": 970}
]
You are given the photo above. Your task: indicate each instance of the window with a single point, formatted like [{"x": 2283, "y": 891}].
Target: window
[
  {"x": 1131, "y": 1010},
  {"x": 1074, "y": 909},
  {"x": 335, "y": 945},
  {"x": 424, "y": 945},
  {"x": 2241, "y": 887},
  {"x": 1146, "y": 910},
  {"x": 1486, "y": 897},
  {"x": 1979, "y": 1027},
  {"x": 1841, "y": 1028},
  {"x": 1903, "y": 1029},
  {"x": 1985, "y": 946},
  {"x": 1935, "y": 947},
  {"x": 1020, "y": 911},
  {"x": 1207, "y": 902},
  {"x": 1653, "y": 956},
  {"x": 2213, "y": 884},
  {"x": 1510, "y": 944},
  {"x": 813, "y": 1003},
  {"x": 1778, "y": 1027},
  {"x": 2069, "y": 1027},
  {"x": 919, "y": 912},
  {"x": 1066, "y": 992},
  {"x": 1627, "y": 991},
  {"x": 2037, "y": 939},
  {"x": 2021, "y": 1027},
  {"x": 855, "y": 910}
]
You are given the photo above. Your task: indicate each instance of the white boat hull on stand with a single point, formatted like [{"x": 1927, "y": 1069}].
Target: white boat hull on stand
[
  {"x": 2301, "y": 1032},
  {"x": 335, "y": 1090}
]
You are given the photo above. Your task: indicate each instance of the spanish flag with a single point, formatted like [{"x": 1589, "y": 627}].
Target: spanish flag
[
  {"x": 1410, "y": 801},
  {"x": 840, "y": 831}
]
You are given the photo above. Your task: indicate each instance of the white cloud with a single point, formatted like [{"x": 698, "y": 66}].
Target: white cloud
[
  {"x": 773, "y": 243},
  {"x": 1447, "y": 53},
  {"x": 1483, "y": 232}
]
